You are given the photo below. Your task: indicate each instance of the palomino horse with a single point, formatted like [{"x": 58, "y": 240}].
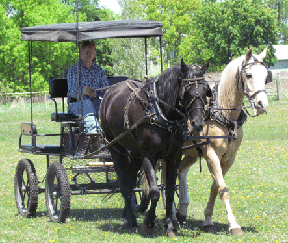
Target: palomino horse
[
  {"x": 244, "y": 76},
  {"x": 146, "y": 121}
]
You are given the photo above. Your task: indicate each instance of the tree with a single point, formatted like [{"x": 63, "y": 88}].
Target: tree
[
  {"x": 229, "y": 28},
  {"x": 281, "y": 7},
  {"x": 175, "y": 15}
]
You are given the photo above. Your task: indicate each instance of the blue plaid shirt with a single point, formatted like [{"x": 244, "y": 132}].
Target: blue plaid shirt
[{"x": 94, "y": 77}]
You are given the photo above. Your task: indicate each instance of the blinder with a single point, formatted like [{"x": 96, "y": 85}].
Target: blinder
[
  {"x": 197, "y": 81},
  {"x": 269, "y": 77}
]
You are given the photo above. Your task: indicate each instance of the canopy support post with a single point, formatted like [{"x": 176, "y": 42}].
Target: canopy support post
[
  {"x": 30, "y": 77},
  {"x": 161, "y": 53},
  {"x": 146, "y": 57}
]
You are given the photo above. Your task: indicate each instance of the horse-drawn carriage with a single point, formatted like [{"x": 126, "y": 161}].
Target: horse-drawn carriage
[
  {"x": 64, "y": 179},
  {"x": 161, "y": 105}
]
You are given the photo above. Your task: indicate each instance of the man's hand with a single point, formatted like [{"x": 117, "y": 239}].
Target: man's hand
[{"x": 89, "y": 91}]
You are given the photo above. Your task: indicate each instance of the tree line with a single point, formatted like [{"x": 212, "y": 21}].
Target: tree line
[{"x": 193, "y": 29}]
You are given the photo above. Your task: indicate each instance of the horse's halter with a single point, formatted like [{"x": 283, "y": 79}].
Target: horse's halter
[
  {"x": 242, "y": 71},
  {"x": 197, "y": 82}
]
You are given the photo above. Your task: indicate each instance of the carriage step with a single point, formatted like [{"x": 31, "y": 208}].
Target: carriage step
[
  {"x": 100, "y": 164},
  {"x": 41, "y": 149},
  {"x": 92, "y": 169}
]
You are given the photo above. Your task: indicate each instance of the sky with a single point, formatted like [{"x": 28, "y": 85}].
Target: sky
[{"x": 112, "y": 4}]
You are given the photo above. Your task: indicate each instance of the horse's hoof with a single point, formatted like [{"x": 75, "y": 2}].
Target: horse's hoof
[
  {"x": 134, "y": 230},
  {"x": 172, "y": 233},
  {"x": 176, "y": 224},
  {"x": 148, "y": 231},
  {"x": 125, "y": 224},
  {"x": 148, "y": 226},
  {"x": 237, "y": 231},
  {"x": 181, "y": 218},
  {"x": 208, "y": 228}
]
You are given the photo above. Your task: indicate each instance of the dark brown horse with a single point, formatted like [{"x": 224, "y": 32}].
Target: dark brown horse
[{"x": 151, "y": 117}]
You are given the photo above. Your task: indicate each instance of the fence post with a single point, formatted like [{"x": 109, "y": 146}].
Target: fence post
[{"x": 278, "y": 88}]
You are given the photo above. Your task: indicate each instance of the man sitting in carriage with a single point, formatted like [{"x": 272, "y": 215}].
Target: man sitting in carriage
[{"x": 92, "y": 77}]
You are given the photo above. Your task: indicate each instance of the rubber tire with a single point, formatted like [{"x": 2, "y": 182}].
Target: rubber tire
[
  {"x": 26, "y": 186},
  {"x": 57, "y": 190},
  {"x": 144, "y": 198}
]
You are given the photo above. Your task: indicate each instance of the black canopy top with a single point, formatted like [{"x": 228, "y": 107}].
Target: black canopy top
[{"x": 92, "y": 30}]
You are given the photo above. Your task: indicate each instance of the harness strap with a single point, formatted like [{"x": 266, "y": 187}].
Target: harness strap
[
  {"x": 144, "y": 119},
  {"x": 153, "y": 94},
  {"x": 135, "y": 93}
]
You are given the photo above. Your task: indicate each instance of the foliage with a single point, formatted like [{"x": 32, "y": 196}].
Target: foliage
[
  {"x": 227, "y": 29},
  {"x": 49, "y": 60},
  {"x": 199, "y": 30},
  {"x": 175, "y": 15},
  {"x": 281, "y": 7},
  {"x": 129, "y": 58}
]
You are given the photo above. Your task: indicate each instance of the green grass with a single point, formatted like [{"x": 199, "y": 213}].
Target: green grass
[{"x": 258, "y": 183}]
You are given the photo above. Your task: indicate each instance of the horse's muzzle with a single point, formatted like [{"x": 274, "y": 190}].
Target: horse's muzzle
[{"x": 197, "y": 126}]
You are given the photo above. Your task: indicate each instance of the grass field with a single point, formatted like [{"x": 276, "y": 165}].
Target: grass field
[{"x": 258, "y": 183}]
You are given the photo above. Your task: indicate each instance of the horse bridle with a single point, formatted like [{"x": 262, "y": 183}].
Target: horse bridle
[
  {"x": 153, "y": 93},
  {"x": 268, "y": 79},
  {"x": 197, "y": 81}
]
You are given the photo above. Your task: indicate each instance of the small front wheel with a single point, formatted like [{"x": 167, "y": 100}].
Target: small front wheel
[
  {"x": 57, "y": 193},
  {"x": 26, "y": 188}
]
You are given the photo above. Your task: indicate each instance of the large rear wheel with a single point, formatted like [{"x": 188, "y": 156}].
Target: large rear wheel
[
  {"x": 26, "y": 188},
  {"x": 57, "y": 193}
]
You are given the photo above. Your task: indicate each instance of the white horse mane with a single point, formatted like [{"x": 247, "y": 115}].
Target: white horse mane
[{"x": 229, "y": 94}]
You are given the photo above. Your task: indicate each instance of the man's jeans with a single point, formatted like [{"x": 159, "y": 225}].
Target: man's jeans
[{"x": 89, "y": 114}]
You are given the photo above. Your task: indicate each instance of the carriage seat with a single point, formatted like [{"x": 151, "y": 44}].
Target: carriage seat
[{"x": 58, "y": 88}]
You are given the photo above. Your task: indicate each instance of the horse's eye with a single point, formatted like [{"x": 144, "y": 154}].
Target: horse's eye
[{"x": 248, "y": 75}]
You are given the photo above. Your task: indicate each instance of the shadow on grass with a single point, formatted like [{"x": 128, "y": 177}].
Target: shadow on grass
[
  {"x": 219, "y": 228},
  {"x": 107, "y": 219}
]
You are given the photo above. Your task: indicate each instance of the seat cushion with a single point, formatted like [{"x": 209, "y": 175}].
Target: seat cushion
[{"x": 62, "y": 117}]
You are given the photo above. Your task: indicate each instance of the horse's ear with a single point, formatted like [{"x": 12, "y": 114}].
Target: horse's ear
[
  {"x": 263, "y": 54},
  {"x": 184, "y": 67},
  {"x": 205, "y": 66},
  {"x": 248, "y": 54}
]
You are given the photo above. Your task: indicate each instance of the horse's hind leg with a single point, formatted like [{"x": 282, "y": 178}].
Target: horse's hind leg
[
  {"x": 127, "y": 173},
  {"x": 149, "y": 221},
  {"x": 183, "y": 170}
]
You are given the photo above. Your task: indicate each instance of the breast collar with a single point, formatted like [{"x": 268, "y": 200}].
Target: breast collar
[
  {"x": 159, "y": 118},
  {"x": 216, "y": 115}
]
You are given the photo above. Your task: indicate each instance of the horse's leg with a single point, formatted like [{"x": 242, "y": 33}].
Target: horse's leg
[
  {"x": 149, "y": 221},
  {"x": 127, "y": 172},
  {"x": 172, "y": 164},
  {"x": 219, "y": 186},
  {"x": 183, "y": 170},
  {"x": 137, "y": 162},
  {"x": 226, "y": 163},
  {"x": 163, "y": 184}
]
